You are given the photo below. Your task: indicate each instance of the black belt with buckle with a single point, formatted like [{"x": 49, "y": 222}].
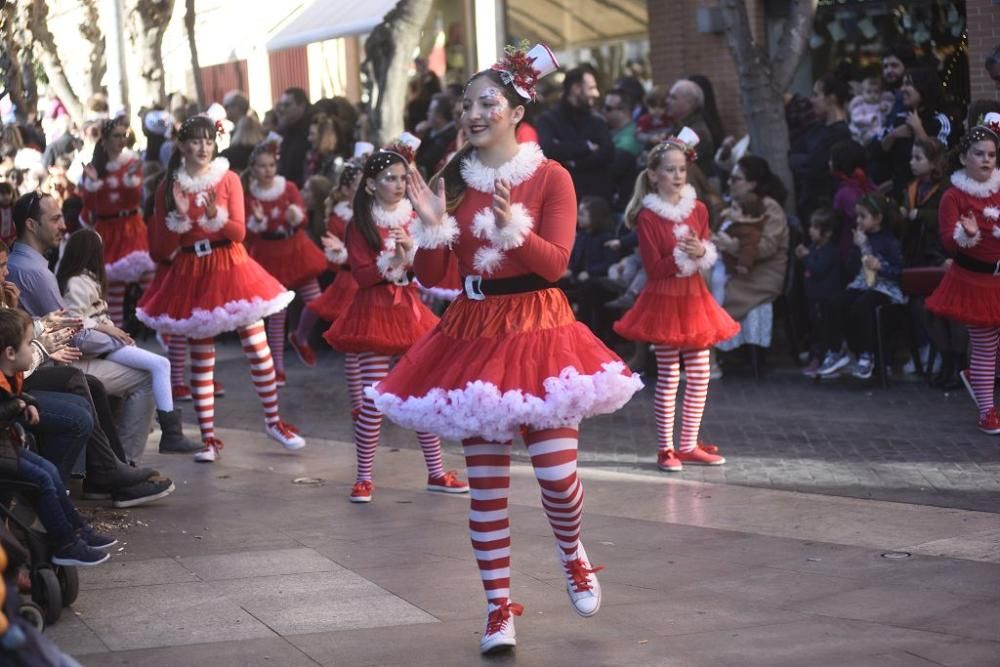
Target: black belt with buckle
[
  {"x": 478, "y": 288},
  {"x": 120, "y": 214},
  {"x": 276, "y": 236},
  {"x": 977, "y": 265},
  {"x": 205, "y": 247}
]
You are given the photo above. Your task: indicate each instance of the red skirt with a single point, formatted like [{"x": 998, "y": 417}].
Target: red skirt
[
  {"x": 201, "y": 297},
  {"x": 293, "y": 261},
  {"x": 126, "y": 249},
  {"x": 495, "y": 365},
  {"x": 337, "y": 296},
  {"x": 679, "y": 312},
  {"x": 968, "y": 297},
  {"x": 387, "y": 319}
]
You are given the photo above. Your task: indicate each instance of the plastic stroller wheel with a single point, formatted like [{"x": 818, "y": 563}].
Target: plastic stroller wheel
[
  {"x": 46, "y": 592},
  {"x": 33, "y": 614},
  {"x": 69, "y": 583}
]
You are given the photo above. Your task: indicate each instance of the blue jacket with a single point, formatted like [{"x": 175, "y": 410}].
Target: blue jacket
[
  {"x": 589, "y": 254},
  {"x": 822, "y": 272}
]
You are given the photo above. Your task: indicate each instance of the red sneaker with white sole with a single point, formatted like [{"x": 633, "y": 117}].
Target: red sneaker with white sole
[
  {"x": 667, "y": 461},
  {"x": 280, "y": 379},
  {"x": 218, "y": 389},
  {"x": 706, "y": 447},
  {"x": 700, "y": 457},
  {"x": 361, "y": 492},
  {"x": 990, "y": 423},
  {"x": 304, "y": 351},
  {"x": 447, "y": 483},
  {"x": 181, "y": 392}
]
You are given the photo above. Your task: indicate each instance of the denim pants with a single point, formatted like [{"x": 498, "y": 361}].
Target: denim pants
[
  {"x": 65, "y": 426},
  {"x": 54, "y": 508}
]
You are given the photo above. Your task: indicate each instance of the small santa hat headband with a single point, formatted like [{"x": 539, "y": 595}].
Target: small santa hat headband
[
  {"x": 363, "y": 148},
  {"x": 686, "y": 140},
  {"x": 158, "y": 122},
  {"x": 521, "y": 67},
  {"x": 405, "y": 147},
  {"x": 988, "y": 129}
]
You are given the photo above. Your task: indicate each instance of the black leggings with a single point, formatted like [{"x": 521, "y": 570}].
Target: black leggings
[{"x": 857, "y": 319}]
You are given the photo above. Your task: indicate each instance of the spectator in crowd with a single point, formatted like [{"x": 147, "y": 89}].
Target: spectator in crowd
[
  {"x": 867, "y": 110},
  {"x": 878, "y": 262},
  {"x": 685, "y": 106},
  {"x": 636, "y": 93},
  {"x": 821, "y": 279},
  {"x": 589, "y": 261},
  {"x": 709, "y": 110},
  {"x": 993, "y": 65},
  {"x": 7, "y": 231},
  {"x": 618, "y": 114},
  {"x": 237, "y": 106},
  {"x": 248, "y": 133},
  {"x": 809, "y": 159},
  {"x": 437, "y": 134},
  {"x": 294, "y": 116},
  {"x": 847, "y": 162},
  {"x": 895, "y": 61},
  {"x": 326, "y": 147},
  {"x": 424, "y": 85},
  {"x": 653, "y": 126},
  {"x": 575, "y": 136}
]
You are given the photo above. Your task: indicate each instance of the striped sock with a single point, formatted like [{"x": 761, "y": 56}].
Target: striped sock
[
  {"x": 276, "y": 338},
  {"x": 308, "y": 292},
  {"x": 116, "y": 303},
  {"x": 177, "y": 351},
  {"x": 203, "y": 383},
  {"x": 553, "y": 456},
  {"x": 254, "y": 342},
  {"x": 488, "y": 465},
  {"x": 355, "y": 387},
  {"x": 431, "y": 446},
  {"x": 372, "y": 368},
  {"x": 668, "y": 377},
  {"x": 695, "y": 393},
  {"x": 984, "y": 343}
]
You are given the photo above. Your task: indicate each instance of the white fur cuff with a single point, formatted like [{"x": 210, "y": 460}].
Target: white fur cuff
[
  {"x": 256, "y": 225},
  {"x": 338, "y": 256},
  {"x": 432, "y": 237},
  {"x": 710, "y": 257},
  {"x": 132, "y": 181},
  {"x": 513, "y": 234},
  {"x": 295, "y": 215},
  {"x": 92, "y": 185},
  {"x": 216, "y": 223},
  {"x": 963, "y": 239},
  {"x": 177, "y": 223},
  {"x": 391, "y": 267},
  {"x": 688, "y": 266}
]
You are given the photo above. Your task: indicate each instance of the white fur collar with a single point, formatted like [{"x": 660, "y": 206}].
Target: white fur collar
[
  {"x": 344, "y": 211},
  {"x": 972, "y": 187},
  {"x": 268, "y": 194},
  {"x": 395, "y": 218},
  {"x": 216, "y": 170},
  {"x": 674, "y": 212},
  {"x": 126, "y": 156},
  {"x": 517, "y": 170}
]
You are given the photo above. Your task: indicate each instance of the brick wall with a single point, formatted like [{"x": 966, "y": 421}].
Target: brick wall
[{"x": 983, "y": 21}]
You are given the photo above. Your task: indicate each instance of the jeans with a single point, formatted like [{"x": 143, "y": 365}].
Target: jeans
[
  {"x": 54, "y": 508},
  {"x": 65, "y": 426},
  {"x": 135, "y": 388}
]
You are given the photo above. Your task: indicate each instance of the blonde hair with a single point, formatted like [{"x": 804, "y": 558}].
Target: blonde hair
[{"x": 643, "y": 186}]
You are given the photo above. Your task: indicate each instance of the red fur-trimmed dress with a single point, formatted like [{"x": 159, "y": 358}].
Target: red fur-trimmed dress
[
  {"x": 112, "y": 205},
  {"x": 338, "y": 295},
  {"x": 212, "y": 284},
  {"x": 278, "y": 242}
]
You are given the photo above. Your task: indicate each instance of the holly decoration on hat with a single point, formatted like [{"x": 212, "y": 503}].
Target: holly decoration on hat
[{"x": 517, "y": 69}]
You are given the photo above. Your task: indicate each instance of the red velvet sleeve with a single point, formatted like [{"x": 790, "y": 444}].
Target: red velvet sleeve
[
  {"x": 431, "y": 265},
  {"x": 362, "y": 259},
  {"x": 657, "y": 258},
  {"x": 948, "y": 214},
  {"x": 162, "y": 241},
  {"x": 546, "y": 249},
  {"x": 231, "y": 194}
]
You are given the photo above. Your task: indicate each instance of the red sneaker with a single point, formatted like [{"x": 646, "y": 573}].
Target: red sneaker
[
  {"x": 705, "y": 447},
  {"x": 447, "y": 483},
  {"x": 181, "y": 392},
  {"x": 667, "y": 461},
  {"x": 990, "y": 423},
  {"x": 280, "y": 379},
  {"x": 219, "y": 390},
  {"x": 305, "y": 352},
  {"x": 699, "y": 456},
  {"x": 362, "y": 492}
]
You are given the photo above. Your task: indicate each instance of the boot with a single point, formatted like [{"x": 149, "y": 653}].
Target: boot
[
  {"x": 172, "y": 440},
  {"x": 948, "y": 373}
]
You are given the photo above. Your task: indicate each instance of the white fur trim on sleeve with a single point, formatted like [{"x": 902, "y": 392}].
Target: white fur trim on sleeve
[
  {"x": 685, "y": 265},
  {"x": 487, "y": 260},
  {"x": 295, "y": 215},
  {"x": 338, "y": 256},
  {"x": 513, "y": 234},
  {"x": 963, "y": 239},
  {"x": 131, "y": 180},
  {"x": 177, "y": 223},
  {"x": 92, "y": 185},
  {"x": 431, "y": 237},
  {"x": 710, "y": 257},
  {"x": 216, "y": 223},
  {"x": 391, "y": 267},
  {"x": 256, "y": 225}
]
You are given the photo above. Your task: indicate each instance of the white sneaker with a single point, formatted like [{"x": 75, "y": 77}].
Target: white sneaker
[
  {"x": 499, "y": 630},
  {"x": 285, "y": 434},
  {"x": 581, "y": 582},
  {"x": 211, "y": 453}
]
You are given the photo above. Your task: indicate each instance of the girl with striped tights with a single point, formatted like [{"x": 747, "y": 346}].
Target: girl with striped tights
[
  {"x": 212, "y": 285},
  {"x": 508, "y": 356},
  {"x": 386, "y": 316},
  {"x": 969, "y": 224},
  {"x": 675, "y": 311}
]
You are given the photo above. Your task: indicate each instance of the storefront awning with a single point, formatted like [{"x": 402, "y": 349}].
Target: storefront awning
[
  {"x": 326, "y": 19},
  {"x": 564, "y": 24}
]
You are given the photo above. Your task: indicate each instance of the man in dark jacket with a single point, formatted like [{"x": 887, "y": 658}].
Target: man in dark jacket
[
  {"x": 294, "y": 115},
  {"x": 437, "y": 133},
  {"x": 575, "y": 136}
]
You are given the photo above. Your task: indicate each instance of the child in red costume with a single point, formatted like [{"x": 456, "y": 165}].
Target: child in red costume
[
  {"x": 969, "y": 224},
  {"x": 675, "y": 311},
  {"x": 508, "y": 355},
  {"x": 277, "y": 239},
  {"x": 386, "y": 316},
  {"x": 112, "y": 205},
  {"x": 212, "y": 285}
]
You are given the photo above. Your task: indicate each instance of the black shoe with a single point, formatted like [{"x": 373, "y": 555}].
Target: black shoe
[
  {"x": 124, "y": 475},
  {"x": 96, "y": 540},
  {"x": 78, "y": 553},
  {"x": 141, "y": 494}
]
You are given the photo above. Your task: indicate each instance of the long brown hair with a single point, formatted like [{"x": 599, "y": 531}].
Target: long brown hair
[
  {"x": 84, "y": 252},
  {"x": 195, "y": 127},
  {"x": 363, "y": 221},
  {"x": 100, "y": 159}
]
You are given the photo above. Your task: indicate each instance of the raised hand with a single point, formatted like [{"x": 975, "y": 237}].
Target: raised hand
[
  {"x": 211, "y": 210},
  {"x": 429, "y": 204},
  {"x": 90, "y": 171},
  {"x": 331, "y": 242},
  {"x": 11, "y": 293},
  {"x": 257, "y": 210},
  {"x": 969, "y": 224},
  {"x": 692, "y": 246},
  {"x": 181, "y": 202},
  {"x": 501, "y": 203},
  {"x": 404, "y": 242}
]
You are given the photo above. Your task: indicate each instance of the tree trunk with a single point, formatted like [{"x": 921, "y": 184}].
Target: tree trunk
[
  {"x": 10, "y": 58},
  {"x": 147, "y": 21},
  {"x": 387, "y": 59},
  {"x": 199, "y": 87},
  {"x": 764, "y": 80},
  {"x": 44, "y": 46},
  {"x": 90, "y": 29}
]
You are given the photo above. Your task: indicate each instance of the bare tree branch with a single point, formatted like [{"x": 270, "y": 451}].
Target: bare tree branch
[
  {"x": 189, "y": 18},
  {"x": 38, "y": 12},
  {"x": 90, "y": 29},
  {"x": 792, "y": 42},
  {"x": 148, "y": 20}
]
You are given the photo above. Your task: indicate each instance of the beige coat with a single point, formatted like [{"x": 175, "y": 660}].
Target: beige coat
[{"x": 766, "y": 278}]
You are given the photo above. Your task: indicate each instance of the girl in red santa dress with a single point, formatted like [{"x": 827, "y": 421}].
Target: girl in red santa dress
[
  {"x": 212, "y": 285},
  {"x": 278, "y": 241},
  {"x": 675, "y": 311},
  {"x": 112, "y": 205},
  {"x": 339, "y": 294},
  {"x": 969, "y": 224},
  {"x": 386, "y": 316},
  {"x": 508, "y": 356}
]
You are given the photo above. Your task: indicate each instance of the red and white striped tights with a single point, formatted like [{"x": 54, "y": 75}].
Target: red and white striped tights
[
  {"x": 116, "y": 298},
  {"x": 177, "y": 350},
  {"x": 276, "y": 324},
  {"x": 984, "y": 342},
  {"x": 373, "y": 367},
  {"x": 553, "y": 456},
  {"x": 668, "y": 369},
  {"x": 355, "y": 386},
  {"x": 254, "y": 342}
]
